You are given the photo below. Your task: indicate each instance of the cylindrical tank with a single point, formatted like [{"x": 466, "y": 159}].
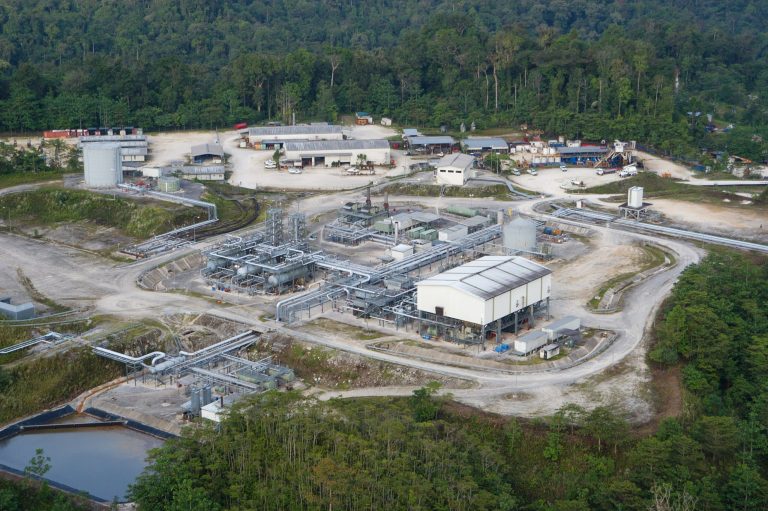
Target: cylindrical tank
[
  {"x": 635, "y": 197},
  {"x": 103, "y": 165},
  {"x": 287, "y": 276},
  {"x": 207, "y": 395},
  {"x": 519, "y": 234},
  {"x": 168, "y": 184},
  {"x": 194, "y": 402},
  {"x": 456, "y": 210}
]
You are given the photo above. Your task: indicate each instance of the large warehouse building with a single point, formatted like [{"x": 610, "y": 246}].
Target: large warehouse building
[
  {"x": 336, "y": 152},
  {"x": 270, "y": 137},
  {"x": 487, "y": 295}
]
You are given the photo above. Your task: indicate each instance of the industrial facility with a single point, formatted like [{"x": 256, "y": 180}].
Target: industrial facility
[{"x": 472, "y": 299}]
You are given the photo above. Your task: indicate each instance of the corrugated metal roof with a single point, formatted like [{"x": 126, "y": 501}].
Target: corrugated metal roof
[
  {"x": 411, "y": 132},
  {"x": 532, "y": 336},
  {"x": 561, "y": 323},
  {"x": 439, "y": 140},
  {"x": 266, "y": 131},
  {"x": 458, "y": 160},
  {"x": 480, "y": 143},
  {"x": 489, "y": 276},
  {"x": 474, "y": 221},
  {"x": 581, "y": 150},
  {"x": 206, "y": 149},
  {"x": 336, "y": 145},
  {"x": 424, "y": 216}
]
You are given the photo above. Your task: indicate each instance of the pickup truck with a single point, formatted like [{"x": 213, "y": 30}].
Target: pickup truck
[
  {"x": 532, "y": 171},
  {"x": 629, "y": 170}
]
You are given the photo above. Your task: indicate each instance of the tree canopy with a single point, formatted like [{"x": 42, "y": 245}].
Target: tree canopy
[{"x": 592, "y": 69}]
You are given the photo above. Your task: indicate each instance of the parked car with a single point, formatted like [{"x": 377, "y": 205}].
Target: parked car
[
  {"x": 563, "y": 168},
  {"x": 270, "y": 164},
  {"x": 515, "y": 171},
  {"x": 294, "y": 170}
]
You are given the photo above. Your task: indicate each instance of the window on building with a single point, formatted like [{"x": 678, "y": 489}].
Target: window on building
[{"x": 439, "y": 311}]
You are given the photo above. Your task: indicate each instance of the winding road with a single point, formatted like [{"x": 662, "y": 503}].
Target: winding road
[{"x": 80, "y": 279}]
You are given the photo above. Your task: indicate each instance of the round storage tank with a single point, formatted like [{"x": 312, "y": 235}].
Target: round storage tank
[
  {"x": 635, "y": 197},
  {"x": 519, "y": 234},
  {"x": 103, "y": 165},
  {"x": 168, "y": 184}
]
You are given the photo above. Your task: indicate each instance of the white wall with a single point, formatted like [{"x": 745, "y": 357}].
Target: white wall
[
  {"x": 467, "y": 307},
  {"x": 451, "y": 176},
  {"x": 377, "y": 156},
  {"x": 455, "y": 304}
]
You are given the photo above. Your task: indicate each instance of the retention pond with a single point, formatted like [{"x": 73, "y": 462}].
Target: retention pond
[{"x": 100, "y": 460}]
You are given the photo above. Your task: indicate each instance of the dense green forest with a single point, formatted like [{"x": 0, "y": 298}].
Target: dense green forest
[
  {"x": 282, "y": 451},
  {"x": 589, "y": 68}
]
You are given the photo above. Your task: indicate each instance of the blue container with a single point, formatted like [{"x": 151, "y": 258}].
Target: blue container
[{"x": 548, "y": 230}]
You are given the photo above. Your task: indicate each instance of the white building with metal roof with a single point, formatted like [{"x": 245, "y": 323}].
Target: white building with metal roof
[
  {"x": 486, "y": 290},
  {"x": 335, "y": 152},
  {"x": 454, "y": 169},
  {"x": 277, "y": 135}
]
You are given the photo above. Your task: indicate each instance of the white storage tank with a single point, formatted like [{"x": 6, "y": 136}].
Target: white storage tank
[
  {"x": 168, "y": 184},
  {"x": 635, "y": 197},
  {"x": 519, "y": 234},
  {"x": 103, "y": 165}
]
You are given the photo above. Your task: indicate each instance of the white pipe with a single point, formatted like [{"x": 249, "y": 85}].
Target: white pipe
[
  {"x": 214, "y": 346},
  {"x": 156, "y": 354}
]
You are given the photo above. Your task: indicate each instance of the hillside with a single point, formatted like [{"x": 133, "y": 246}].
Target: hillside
[{"x": 593, "y": 69}]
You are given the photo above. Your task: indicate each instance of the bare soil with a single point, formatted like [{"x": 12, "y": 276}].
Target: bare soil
[{"x": 331, "y": 369}]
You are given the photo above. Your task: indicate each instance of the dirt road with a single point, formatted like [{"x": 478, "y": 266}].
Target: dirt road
[{"x": 79, "y": 279}]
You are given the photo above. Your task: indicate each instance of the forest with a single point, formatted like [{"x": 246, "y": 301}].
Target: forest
[
  {"x": 283, "y": 451},
  {"x": 649, "y": 70}
]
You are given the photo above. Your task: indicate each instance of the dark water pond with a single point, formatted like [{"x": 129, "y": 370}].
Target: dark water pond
[{"x": 100, "y": 461}]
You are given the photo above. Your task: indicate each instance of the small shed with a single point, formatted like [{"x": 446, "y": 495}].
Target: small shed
[
  {"x": 16, "y": 312},
  {"x": 454, "y": 169},
  {"x": 363, "y": 118},
  {"x": 555, "y": 329},
  {"x": 410, "y": 132},
  {"x": 452, "y": 233},
  {"x": 207, "y": 152},
  {"x": 549, "y": 351},
  {"x": 400, "y": 252},
  {"x": 530, "y": 342}
]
